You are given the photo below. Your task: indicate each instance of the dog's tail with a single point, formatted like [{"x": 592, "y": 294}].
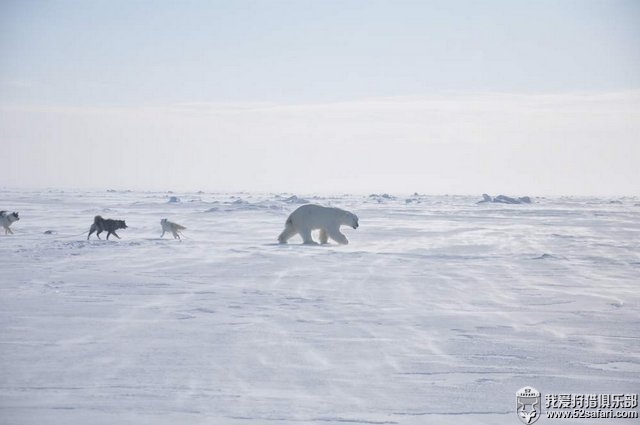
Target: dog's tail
[{"x": 91, "y": 230}]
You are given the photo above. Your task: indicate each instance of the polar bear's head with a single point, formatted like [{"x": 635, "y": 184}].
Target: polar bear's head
[{"x": 349, "y": 219}]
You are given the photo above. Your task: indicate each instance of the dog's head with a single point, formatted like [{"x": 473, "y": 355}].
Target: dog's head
[
  {"x": 122, "y": 224},
  {"x": 163, "y": 221},
  {"x": 10, "y": 217}
]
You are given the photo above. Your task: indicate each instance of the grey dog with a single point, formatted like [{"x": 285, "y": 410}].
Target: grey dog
[{"x": 110, "y": 226}]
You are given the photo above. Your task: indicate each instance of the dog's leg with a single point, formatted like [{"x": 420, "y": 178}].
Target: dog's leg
[
  {"x": 115, "y": 234},
  {"x": 323, "y": 237},
  {"x": 10, "y": 231},
  {"x": 91, "y": 230},
  {"x": 162, "y": 234}
]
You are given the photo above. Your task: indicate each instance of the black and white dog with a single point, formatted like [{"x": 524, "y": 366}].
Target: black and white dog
[{"x": 7, "y": 220}]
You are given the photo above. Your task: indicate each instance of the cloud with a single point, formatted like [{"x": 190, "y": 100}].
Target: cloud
[
  {"x": 458, "y": 143},
  {"x": 18, "y": 84}
]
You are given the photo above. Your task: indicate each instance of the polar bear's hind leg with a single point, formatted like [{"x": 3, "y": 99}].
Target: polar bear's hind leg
[
  {"x": 323, "y": 236},
  {"x": 287, "y": 233},
  {"x": 306, "y": 237}
]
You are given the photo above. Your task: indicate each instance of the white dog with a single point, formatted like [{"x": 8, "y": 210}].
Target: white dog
[
  {"x": 174, "y": 228},
  {"x": 7, "y": 219}
]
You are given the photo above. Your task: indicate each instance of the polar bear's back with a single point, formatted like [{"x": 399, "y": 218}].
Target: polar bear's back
[{"x": 316, "y": 216}]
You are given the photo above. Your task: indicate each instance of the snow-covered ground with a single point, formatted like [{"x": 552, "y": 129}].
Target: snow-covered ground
[{"x": 437, "y": 312}]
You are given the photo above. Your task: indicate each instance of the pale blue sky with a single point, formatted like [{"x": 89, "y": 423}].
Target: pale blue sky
[{"x": 61, "y": 61}]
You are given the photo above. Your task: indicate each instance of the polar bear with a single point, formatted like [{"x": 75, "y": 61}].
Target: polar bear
[{"x": 311, "y": 217}]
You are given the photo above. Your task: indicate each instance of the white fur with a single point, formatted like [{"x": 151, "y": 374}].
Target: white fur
[
  {"x": 174, "y": 228},
  {"x": 313, "y": 217},
  {"x": 7, "y": 220}
]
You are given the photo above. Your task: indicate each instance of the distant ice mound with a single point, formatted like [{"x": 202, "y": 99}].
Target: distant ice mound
[
  {"x": 413, "y": 199},
  {"x": 294, "y": 200},
  {"x": 546, "y": 256},
  {"x": 239, "y": 204},
  {"x": 381, "y": 197},
  {"x": 173, "y": 200},
  {"x": 502, "y": 199}
]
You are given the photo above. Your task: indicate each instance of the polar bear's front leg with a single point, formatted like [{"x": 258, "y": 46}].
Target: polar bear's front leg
[
  {"x": 323, "y": 236},
  {"x": 337, "y": 236},
  {"x": 287, "y": 233}
]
